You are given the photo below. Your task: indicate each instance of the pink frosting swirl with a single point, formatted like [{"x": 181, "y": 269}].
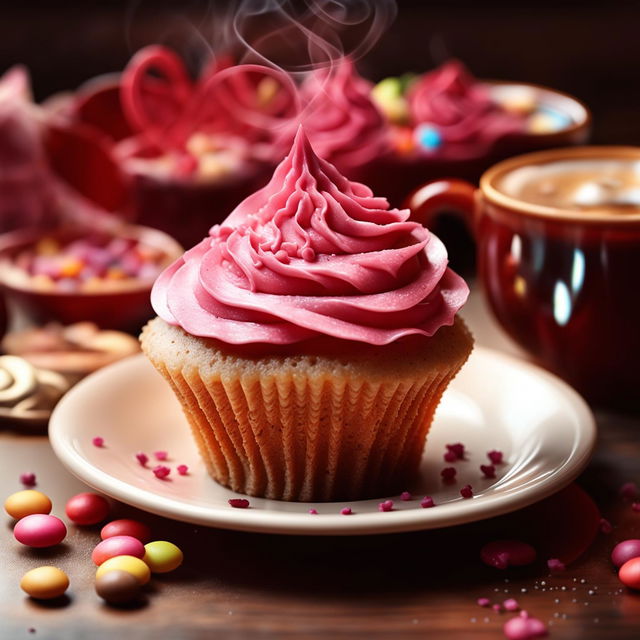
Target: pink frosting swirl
[
  {"x": 461, "y": 109},
  {"x": 343, "y": 123},
  {"x": 309, "y": 255}
]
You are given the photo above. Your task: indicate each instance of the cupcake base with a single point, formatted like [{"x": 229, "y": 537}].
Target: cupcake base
[{"x": 312, "y": 426}]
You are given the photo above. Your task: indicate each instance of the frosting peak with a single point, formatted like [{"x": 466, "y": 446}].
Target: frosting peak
[{"x": 311, "y": 254}]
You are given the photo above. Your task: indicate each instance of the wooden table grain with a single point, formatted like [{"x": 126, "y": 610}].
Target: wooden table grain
[{"x": 239, "y": 585}]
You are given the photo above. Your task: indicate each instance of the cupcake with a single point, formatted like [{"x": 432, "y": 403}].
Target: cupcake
[{"x": 310, "y": 337}]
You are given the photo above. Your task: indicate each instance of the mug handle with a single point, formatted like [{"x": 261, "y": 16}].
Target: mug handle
[{"x": 449, "y": 194}]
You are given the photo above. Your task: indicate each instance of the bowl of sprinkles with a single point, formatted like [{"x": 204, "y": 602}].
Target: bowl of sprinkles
[{"x": 70, "y": 275}]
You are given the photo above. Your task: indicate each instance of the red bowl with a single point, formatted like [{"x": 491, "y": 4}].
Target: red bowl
[{"x": 127, "y": 309}]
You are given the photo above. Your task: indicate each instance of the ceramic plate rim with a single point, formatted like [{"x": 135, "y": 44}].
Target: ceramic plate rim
[{"x": 279, "y": 522}]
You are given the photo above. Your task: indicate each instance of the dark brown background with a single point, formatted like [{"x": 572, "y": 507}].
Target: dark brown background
[{"x": 590, "y": 48}]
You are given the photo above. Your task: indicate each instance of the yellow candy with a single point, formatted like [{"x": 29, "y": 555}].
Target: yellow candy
[
  {"x": 45, "y": 582},
  {"x": 162, "y": 556},
  {"x": 130, "y": 564},
  {"x": 26, "y": 503}
]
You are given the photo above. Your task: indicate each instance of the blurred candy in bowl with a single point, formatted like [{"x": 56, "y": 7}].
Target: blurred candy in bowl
[{"x": 72, "y": 275}]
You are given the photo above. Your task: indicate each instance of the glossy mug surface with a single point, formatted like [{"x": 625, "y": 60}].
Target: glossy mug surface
[{"x": 558, "y": 253}]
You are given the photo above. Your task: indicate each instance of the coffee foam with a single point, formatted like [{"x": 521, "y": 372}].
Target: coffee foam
[{"x": 577, "y": 184}]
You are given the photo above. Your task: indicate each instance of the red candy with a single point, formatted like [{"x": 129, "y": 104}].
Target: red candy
[
  {"x": 387, "y": 505},
  {"x": 495, "y": 456},
  {"x": 625, "y": 551},
  {"x": 28, "y": 479},
  {"x": 449, "y": 456},
  {"x": 40, "y": 530},
  {"x": 427, "y": 502},
  {"x": 488, "y": 470},
  {"x": 239, "y": 503},
  {"x": 182, "y": 469},
  {"x": 466, "y": 491},
  {"x": 87, "y": 508},
  {"x": 448, "y": 474},
  {"x": 456, "y": 449},
  {"x": 98, "y": 442},
  {"x": 142, "y": 458},
  {"x": 346, "y": 511},
  {"x": 161, "y": 455},
  {"x": 117, "y": 546},
  {"x": 505, "y": 553},
  {"x": 629, "y": 573},
  {"x": 126, "y": 527},
  {"x": 161, "y": 471}
]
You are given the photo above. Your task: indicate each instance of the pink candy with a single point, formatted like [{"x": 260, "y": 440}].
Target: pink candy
[
  {"x": 505, "y": 553},
  {"x": 483, "y": 602},
  {"x": 387, "y": 505},
  {"x": 488, "y": 470},
  {"x": 313, "y": 512},
  {"x": 625, "y": 551},
  {"x": 456, "y": 449},
  {"x": 555, "y": 565},
  {"x": 427, "y": 502},
  {"x": 466, "y": 491},
  {"x": 511, "y": 604},
  {"x": 182, "y": 469},
  {"x": 405, "y": 495},
  {"x": 142, "y": 458},
  {"x": 495, "y": 456},
  {"x": 40, "y": 530},
  {"x": 161, "y": 455},
  {"x": 346, "y": 511},
  {"x": 524, "y": 627},
  {"x": 117, "y": 546},
  {"x": 98, "y": 442},
  {"x": 161, "y": 471},
  {"x": 605, "y": 526}
]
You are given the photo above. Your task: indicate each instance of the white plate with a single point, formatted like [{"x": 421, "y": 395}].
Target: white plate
[{"x": 544, "y": 428}]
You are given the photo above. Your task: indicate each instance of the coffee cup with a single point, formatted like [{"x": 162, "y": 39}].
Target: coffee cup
[{"x": 558, "y": 254}]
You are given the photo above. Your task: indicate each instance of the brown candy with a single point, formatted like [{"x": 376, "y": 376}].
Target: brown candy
[{"x": 117, "y": 587}]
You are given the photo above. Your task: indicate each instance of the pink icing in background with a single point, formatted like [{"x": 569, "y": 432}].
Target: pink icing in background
[{"x": 311, "y": 254}]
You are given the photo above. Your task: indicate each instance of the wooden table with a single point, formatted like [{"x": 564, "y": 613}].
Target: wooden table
[{"x": 239, "y": 585}]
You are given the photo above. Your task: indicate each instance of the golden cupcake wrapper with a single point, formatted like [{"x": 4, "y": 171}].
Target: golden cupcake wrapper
[{"x": 309, "y": 438}]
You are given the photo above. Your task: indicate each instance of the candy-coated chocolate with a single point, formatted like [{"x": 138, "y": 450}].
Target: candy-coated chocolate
[
  {"x": 26, "y": 503},
  {"x": 40, "y": 530},
  {"x": 44, "y": 583},
  {"x": 117, "y": 546},
  {"x": 87, "y": 508},
  {"x": 162, "y": 556},
  {"x": 131, "y": 564},
  {"x": 624, "y": 551},
  {"x": 629, "y": 573},
  {"x": 126, "y": 527},
  {"x": 118, "y": 587}
]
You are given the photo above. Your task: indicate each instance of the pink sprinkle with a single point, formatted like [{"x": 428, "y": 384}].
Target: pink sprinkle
[
  {"x": 427, "y": 502},
  {"x": 466, "y": 491},
  {"x": 448, "y": 474},
  {"x": 488, "y": 470},
  {"x": 346, "y": 511},
  {"x": 457, "y": 449},
  {"x": 387, "y": 505},
  {"x": 449, "y": 456},
  {"x": 28, "y": 479},
  {"x": 182, "y": 469},
  {"x": 142, "y": 458},
  {"x": 161, "y": 471},
  {"x": 98, "y": 441},
  {"x": 239, "y": 503},
  {"x": 497, "y": 608},
  {"x": 483, "y": 602},
  {"x": 405, "y": 495},
  {"x": 629, "y": 490},
  {"x": 504, "y": 553},
  {"x": 161, "y": 455},
  {"x": 524, "y": 628},
  {"x": 511, "y": 604},
  {"x": 313, "y": 512},
  {"x": 495, "y": 456},
  {"x": 555, "y": 565},
  {"x": 635, "y": 506},
  {"x": 605, "y": 526}
]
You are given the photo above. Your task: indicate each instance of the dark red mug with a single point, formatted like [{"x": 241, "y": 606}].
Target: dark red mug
[{"x": 563, "y": 283}]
